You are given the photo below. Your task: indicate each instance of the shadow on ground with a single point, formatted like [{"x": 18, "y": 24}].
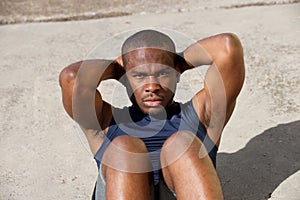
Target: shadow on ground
[{"x": 255, "y": 171}]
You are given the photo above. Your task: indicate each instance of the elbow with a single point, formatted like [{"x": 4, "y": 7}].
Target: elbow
[
  {"x": 68, "y": 74},
  {"x": 233, "y": 49},
  {"x": 232, "y": 43},
  {"x": 234, "y": 53}
]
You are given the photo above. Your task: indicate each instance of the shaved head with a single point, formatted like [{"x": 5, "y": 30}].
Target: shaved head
[{"x": 147, "y": 39}]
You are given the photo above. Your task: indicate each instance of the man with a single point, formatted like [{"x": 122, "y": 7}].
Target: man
[{"x": 157, "y": 148}]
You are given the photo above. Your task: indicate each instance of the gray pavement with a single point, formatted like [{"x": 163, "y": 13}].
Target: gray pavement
[{"x": 45, "y": 156}]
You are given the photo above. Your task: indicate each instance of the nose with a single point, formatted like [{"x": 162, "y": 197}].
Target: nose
[{"x": 152, "y": 85}]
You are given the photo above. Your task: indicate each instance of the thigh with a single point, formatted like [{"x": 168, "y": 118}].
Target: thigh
[
  {"x": 99, "y": 192},
  {"x": 162, "y": 190},
  {"x": 188, "y": 168}
]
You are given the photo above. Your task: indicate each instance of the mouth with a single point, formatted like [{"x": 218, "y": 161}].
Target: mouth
[{"x": 152, "y": 102}]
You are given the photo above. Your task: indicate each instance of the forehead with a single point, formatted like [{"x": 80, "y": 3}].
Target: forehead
[
  {"x": 150, "y": 68},
  {"x": 148, "y": 56}
]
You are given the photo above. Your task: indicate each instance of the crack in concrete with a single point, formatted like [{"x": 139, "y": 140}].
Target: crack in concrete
[{"x": 260, "y": 4}]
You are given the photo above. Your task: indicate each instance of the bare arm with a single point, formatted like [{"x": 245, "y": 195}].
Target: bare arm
[
  {"x": 81, "y": 99},
  {"x": 223, "y": 81}
]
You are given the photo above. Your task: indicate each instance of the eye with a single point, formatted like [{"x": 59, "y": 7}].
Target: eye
[
  {"x": 139, "y": 75},
  {"x": 163, "y": 73}
]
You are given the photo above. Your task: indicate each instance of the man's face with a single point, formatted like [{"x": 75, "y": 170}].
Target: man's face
[{"x": 152, "y": 78}]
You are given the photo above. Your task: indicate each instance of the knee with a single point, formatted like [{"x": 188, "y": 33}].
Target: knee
[
  {"x": 127, "y": 154},
  {"x": 183, "y": 144},
  {"x": 181, "y": 140},
  {"x": 129, "y": 144}
]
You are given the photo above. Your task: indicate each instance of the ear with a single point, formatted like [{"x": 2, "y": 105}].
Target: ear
[
  {"x": 129, "y": 91},
  {"x": 178, "y": 76},
  {"x": 178, "y": 62},
  {"x": 119, "y": 60},
  {"x": 123, "y": 80}
]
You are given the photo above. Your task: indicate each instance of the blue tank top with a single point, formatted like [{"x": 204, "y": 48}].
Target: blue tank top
[{"x": 154, "y": 132}]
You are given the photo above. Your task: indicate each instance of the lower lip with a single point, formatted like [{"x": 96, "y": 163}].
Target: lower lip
[{"x": 152, "y": 103}]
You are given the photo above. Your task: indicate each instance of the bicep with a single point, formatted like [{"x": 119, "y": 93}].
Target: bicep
[
  {"x": 230, "y": 66},
  {"x": 224, "y": 78}
]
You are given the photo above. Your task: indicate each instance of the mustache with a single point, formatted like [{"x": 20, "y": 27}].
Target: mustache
[{"x": 152, "y": 97}]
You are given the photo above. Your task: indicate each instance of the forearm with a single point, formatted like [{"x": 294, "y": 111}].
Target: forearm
[
  {"x": 193, "y": 56},
  {"x": 212, "y": 49},
  {"x": 79, "y": 82},
  {"x": 87, "y": 100},
  {"x": 92, "y": 72},
  {"x": 196, "y": 55}
]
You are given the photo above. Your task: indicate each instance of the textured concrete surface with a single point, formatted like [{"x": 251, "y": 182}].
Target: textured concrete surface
[
  {"x": 45, "y": 156},
  {"x": 19, "y": 11}
]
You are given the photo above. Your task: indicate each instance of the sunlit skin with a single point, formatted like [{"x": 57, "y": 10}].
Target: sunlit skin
[{"x": 152, "y": 78}]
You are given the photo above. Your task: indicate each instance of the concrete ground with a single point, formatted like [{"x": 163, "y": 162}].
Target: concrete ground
[{"x": 44, "y": 154}]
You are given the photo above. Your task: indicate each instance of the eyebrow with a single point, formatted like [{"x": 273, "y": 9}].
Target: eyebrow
[{"x": 137, "y": 71}]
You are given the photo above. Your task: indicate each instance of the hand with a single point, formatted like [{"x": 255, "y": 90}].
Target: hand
[
  {"x": 118, "y": 67},
  {"x": 181, "y": 64}
]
